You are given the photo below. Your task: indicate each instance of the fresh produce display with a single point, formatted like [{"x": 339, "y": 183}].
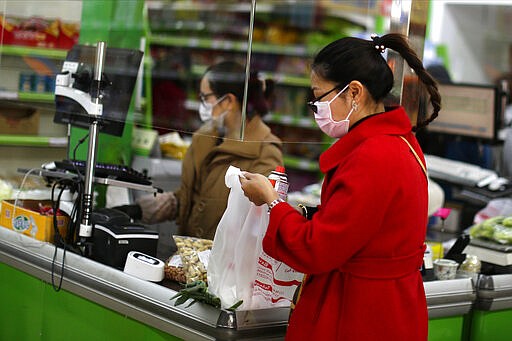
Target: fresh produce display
[{"x": 498, "y": 229}]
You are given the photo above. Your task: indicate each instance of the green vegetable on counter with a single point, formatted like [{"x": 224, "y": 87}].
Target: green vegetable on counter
[{"x": 198, "y": 291}]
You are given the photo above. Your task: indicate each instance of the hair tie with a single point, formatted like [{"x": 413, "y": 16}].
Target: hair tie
[{"x": 379, "y": 46}]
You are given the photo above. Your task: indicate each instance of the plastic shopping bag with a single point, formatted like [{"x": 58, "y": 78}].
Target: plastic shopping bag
[
  {"x": 495, "y": 207},
  {"x": 238, "y": 268},
  {"x": 222, "y": 264}
]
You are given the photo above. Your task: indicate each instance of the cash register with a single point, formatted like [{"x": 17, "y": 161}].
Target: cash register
[{"x": 94, "y": 91}]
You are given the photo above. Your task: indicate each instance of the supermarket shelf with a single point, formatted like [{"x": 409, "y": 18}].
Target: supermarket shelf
[
  {"x": 195, "y": 6},
  {"x": 293, "y": 121},
  {"x": 36, "y": 96},
  {"x": 295, "y": 162},
  {"x": 285, "y": 79},
  {"x": 362, "y": 15},
  {"x": 227, "y": 45},
  {"x": 14, "y": 50},
  {"x": 279, "y": 78},
  {"x": 33, "y": 141},
  {"x": 27, "y": 96}
]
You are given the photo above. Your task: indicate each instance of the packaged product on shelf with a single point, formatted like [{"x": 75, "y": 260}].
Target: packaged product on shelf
[
  {"x": 194, "y": 253},
  {"x": 36, "y": 31},
  {"x": 25, "y": 82},
  {"x": 68, "y": 34},
  {"x": 49, "y": 83},
  {"x": 38, "y": 83},
  {"x": 293, "y": 65},
  {"x": 39, "y": 32},
  {"x": 7, "y": 26}
]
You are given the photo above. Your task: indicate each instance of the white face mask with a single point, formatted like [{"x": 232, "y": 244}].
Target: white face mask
[
  {"x": 327, "y": 124},
  {"x": 206, "y": 109}
]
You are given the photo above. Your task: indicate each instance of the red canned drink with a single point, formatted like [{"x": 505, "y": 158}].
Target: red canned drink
[{"x": 279, "y": 181}]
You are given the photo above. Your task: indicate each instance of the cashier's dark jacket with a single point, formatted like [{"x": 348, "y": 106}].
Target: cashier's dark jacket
[
  {"x": 203, "y": 194},
  {"x": 363, "y": 248}
]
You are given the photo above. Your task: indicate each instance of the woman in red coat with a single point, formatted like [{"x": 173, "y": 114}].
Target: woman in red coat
[{"x": 363, "y": 248}]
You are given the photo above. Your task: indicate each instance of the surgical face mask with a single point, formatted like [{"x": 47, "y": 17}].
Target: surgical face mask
[
  {"x": 206, "y": 109},
  {"x": 323, "y": 117}
]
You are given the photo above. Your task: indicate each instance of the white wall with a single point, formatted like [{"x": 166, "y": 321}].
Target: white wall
[
  {"x": 67, "y": 10},
  {"x": 477, "y": 33}
]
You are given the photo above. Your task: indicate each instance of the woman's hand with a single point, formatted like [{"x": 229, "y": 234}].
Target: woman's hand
[{"x": 258, "y": 188}]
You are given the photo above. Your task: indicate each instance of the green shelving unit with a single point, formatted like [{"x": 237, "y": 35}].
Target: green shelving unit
[
  {"x": 33, "y": 141},
  {"x": 45, "y": 97},
  {"x": 292, "y": 121},
  {"x": 227, "y": 45},
  {"x": 301, "y": 163},
  {"x": 14, "y": 50}
]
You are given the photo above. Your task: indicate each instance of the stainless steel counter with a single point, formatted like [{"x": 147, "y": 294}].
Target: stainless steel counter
[
  {"x": 450, "y": 297},
  {"x": 141, "y": 300},
  {"x": 494, "y": 292},
  {"x": 150, "y": 302}
]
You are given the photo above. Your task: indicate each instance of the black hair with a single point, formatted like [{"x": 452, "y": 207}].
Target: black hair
[
  {"x": 348, "y": 59},
  {"x": 229, "y": 77}
]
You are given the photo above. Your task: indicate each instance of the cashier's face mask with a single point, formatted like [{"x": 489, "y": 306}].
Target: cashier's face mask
[
  {"x": 206, "y": 110},
  {"x": 323, "y": 117}
]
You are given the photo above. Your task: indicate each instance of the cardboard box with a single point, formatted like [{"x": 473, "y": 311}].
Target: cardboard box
[
  {"x": 18, "y": 120},
  {"x": 25, "y": 218}
]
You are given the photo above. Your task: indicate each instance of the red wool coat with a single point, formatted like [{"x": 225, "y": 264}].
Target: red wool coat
[{"x": 363, "y": 248}]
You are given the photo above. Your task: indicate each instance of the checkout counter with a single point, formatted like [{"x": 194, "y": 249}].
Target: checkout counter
[
  {"x": 99, "y": 302},
  {"x": 492, "y": 313}
]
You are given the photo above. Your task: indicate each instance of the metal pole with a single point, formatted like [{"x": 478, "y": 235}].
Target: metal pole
[
  {"x": 247, "y": 69},
  {"x": 86, "y": 226}
]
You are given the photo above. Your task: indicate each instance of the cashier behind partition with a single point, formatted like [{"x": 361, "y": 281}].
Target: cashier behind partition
[{"x": 198, "y": 205}]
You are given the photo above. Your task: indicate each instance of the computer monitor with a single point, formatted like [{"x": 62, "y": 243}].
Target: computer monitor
[
  {"x": 468, "y": 110},
  {"x": 121, "y": 68}
]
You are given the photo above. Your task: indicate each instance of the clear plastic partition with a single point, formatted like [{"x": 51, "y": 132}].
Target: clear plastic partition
[
  {"x": 273, "y": 42},
  {"x": 221, "y": 69}
]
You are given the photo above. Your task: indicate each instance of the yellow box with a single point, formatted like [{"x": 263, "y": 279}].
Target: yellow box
[{"x": 25, "y": 218}]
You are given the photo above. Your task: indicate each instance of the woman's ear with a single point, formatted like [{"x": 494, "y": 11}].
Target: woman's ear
[
  {"x": 355, "y": 89},
  {"x": 231, "y": 101}
]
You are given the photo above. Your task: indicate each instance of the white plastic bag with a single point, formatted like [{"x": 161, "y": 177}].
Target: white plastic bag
[
  {"x": 238, "y": 269},
  {"x": 222, "y": 265},
  {"x": 494, "y": 208}
]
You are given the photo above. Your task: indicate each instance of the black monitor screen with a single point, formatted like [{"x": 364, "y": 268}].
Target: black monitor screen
[
  {"x": 118, "y": 81},
  {"x": 467, "y": 110}
]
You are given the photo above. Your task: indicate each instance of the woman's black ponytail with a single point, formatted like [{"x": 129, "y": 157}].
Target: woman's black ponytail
[{"x": 398, "y": 43}]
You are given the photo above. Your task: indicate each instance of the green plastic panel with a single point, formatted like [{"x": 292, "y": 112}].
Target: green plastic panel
[
  {"x": 446, "y": 328},
  {"x": 491, "y": 325},
  {"x": 32, "y": 310},
  {"x": 33, "y": 141},
  {"x": 22, "y": 51}
]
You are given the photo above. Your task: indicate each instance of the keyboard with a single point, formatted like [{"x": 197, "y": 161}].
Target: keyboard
[
  {"x": 458, "y": 172},
  {"x": 105, "y": 170}
]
